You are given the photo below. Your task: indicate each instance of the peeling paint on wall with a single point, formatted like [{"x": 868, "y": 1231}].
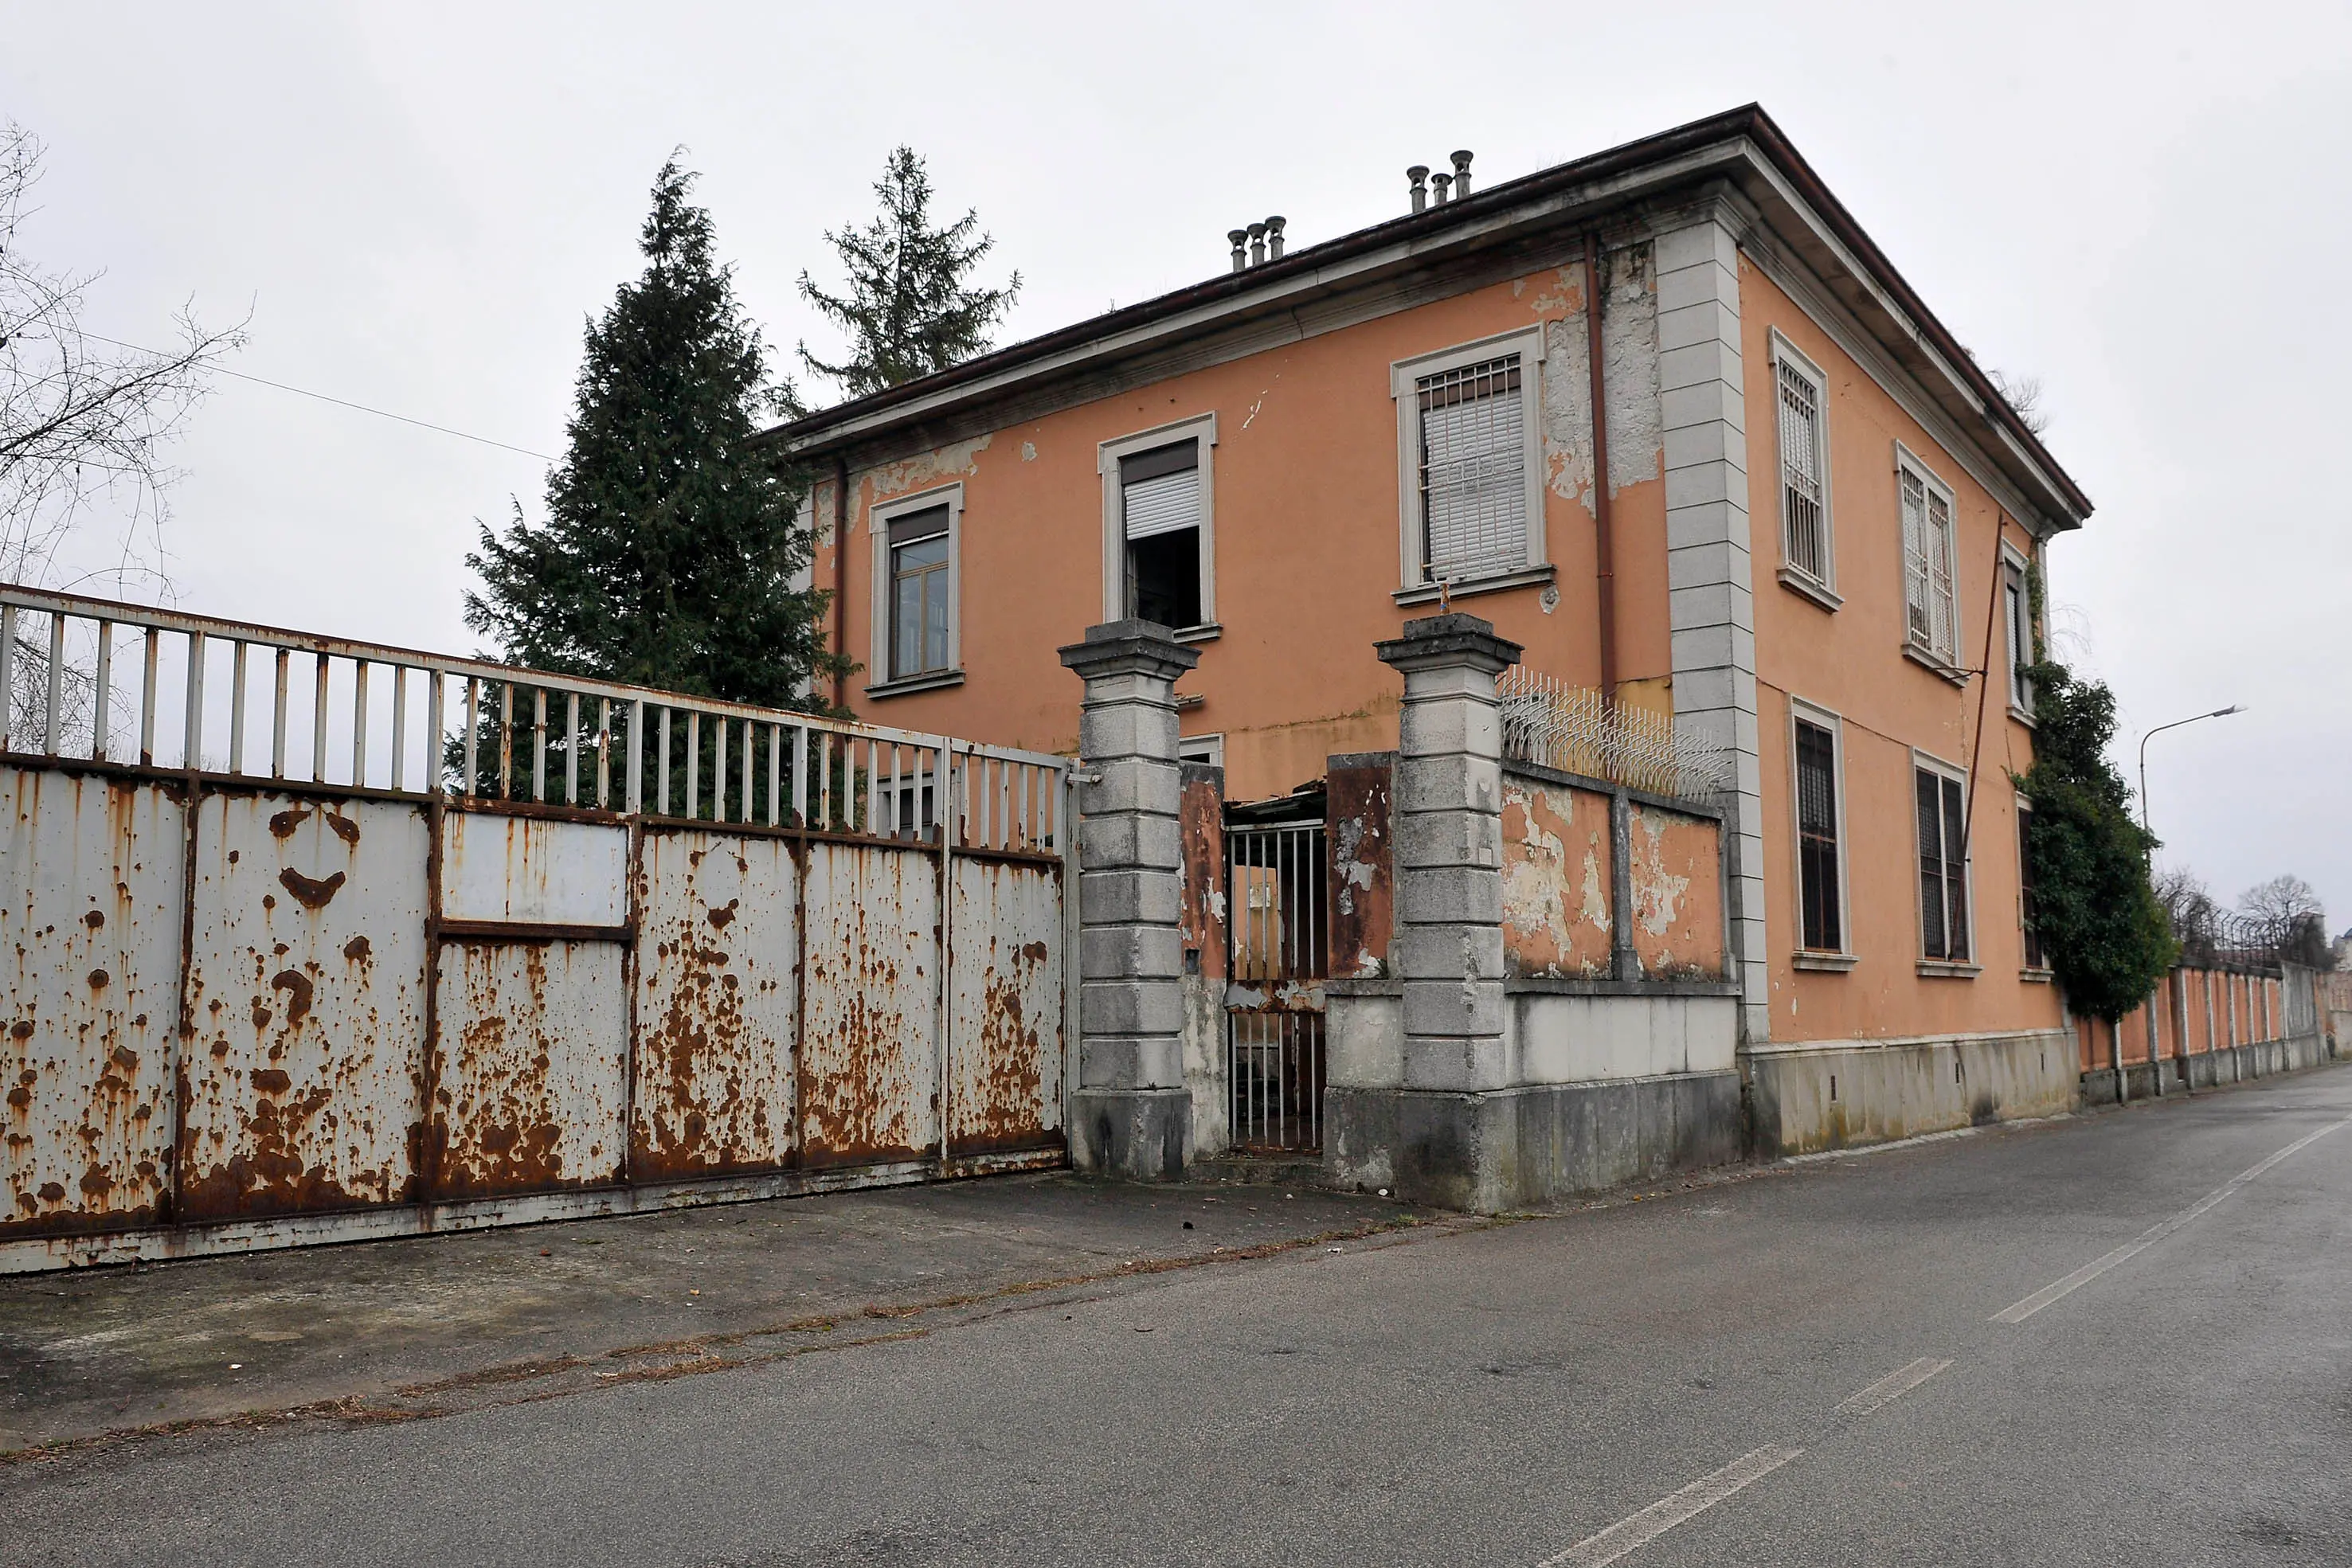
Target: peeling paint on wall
[
  {"x": 958, "y": 460},
  {"x": 1361, "y": 890},
  {"x": 1555, "y": 920},
  {"x": 1677, "y": 911},
  {"x": 1629, "y": 332}
]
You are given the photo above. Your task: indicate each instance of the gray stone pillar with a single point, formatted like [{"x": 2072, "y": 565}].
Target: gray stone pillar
[
  {"x": 1131, "y": 1112},
  {"x": 1449, "y": 851}
]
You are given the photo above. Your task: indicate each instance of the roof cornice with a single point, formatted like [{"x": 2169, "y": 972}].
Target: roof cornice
[{"x": 1282, "y": 299}]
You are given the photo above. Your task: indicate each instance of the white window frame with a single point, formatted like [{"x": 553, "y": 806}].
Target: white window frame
[
  {"x": 1927, "y": 762},
  {"x": 1944, "y": 661},
  {"x": 1820, "y": 718},
  {"x": 1403, "y": 376},
  {"x": 878, "y": 518},
  {"x": 2021, "y": 695},
  {"x": 1209, "y": 750},
  {"x": 1203, "y": 428},
  {"x": 1822, "y": 589},
  {"x": 2022, "y": 809}
]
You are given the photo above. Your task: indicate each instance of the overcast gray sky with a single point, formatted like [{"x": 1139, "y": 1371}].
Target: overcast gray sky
[{"x": 2147, "y": 206}]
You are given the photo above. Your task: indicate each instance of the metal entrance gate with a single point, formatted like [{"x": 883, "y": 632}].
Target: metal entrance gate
[
  {"x": 1274, "y": 995},
  {"x": 318, "y": 940}
]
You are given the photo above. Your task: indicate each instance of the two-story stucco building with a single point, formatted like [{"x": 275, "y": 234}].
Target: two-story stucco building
[{"x": 1808, "y": 537}]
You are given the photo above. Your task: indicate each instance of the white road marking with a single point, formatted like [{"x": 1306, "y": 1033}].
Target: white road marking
[
  {"x": 2092, "y": 1271},
  {"x": 1892, "y": 1386},
  {"x": 1671, "y": 1509}
]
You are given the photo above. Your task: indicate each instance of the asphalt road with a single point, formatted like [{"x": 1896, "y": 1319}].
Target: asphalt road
[{"x": 1859, "y": 1360}]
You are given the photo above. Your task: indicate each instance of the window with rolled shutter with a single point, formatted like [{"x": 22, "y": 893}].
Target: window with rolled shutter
[
  {"x": 1474, "y": 475},
  {"x": 1160, "y": 503}
]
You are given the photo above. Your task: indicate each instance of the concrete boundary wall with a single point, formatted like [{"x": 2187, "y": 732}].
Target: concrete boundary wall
[{"x": 1806, "y": 1096}]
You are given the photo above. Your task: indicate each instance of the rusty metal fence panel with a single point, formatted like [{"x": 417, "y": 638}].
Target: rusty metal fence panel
[
  {"x": 718, "y": 1005},
  {"x": 300, "y": 1085},
  {"x": 317, "y": 939},
  {"x": 89, "y": 918}
]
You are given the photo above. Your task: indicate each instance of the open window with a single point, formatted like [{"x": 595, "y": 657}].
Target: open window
[{"x": 1158, "y": 526}]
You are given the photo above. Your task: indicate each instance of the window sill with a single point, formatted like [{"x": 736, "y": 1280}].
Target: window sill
[
  {"x": 1187, "y": 701},
  {"x": 1935, "y": 969},
  {"x": 1829, "y": 963},
  {"x": 1206, "y": 632},
  {"x": 1806, "y": 586},
  {"x": 911, "y": 683},
  {"x": 1428, "y": 593},
  {"x": 2037, "y": 976},
  {"x": 1935, "y": 662},
  {"x": 2022, "y": 717}
]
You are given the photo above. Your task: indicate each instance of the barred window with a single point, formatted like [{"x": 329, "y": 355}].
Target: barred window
[
  {"x": 1804, "y": 475},
  {"x": 1817, "y": 838},
  {"x": 1943, "y": 867},
  {"x": 1928, "y": 587},
  {"x": 1474, "y": 479}
]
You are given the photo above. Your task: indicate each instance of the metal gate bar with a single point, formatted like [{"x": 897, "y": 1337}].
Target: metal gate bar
[{"x": 1275, "y": 1067}]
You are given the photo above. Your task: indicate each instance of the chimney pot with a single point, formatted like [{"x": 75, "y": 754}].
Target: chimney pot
[
  {"x": 1417, "y": 177},
  {"x": 1461, "y": 174},
  {"x": 1274, "y": 238},
  {"x": 1257, "y": 245},
  {"x": 1439, "y": 187},
  {"x": 1239, "y": 237}
]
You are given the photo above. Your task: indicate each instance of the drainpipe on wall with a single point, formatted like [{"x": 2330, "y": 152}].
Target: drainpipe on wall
[
  {"x": 841, "y": 580},
  {"x": 1604, "y": 543}
]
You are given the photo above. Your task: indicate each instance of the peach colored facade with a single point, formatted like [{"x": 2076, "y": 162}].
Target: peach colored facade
[
  {"x": 1305, "y": 514},
  {"x": 1305, "y": 541}
]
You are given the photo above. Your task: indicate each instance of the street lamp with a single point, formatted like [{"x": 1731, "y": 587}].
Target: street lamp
[{"x": 2159, "y": 729}]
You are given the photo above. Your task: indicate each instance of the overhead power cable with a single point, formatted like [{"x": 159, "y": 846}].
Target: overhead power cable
[{"x": 338, "y": 401}]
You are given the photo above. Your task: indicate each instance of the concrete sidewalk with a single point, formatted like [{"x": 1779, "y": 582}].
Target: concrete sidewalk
[{"x": 393, "y": 1330}]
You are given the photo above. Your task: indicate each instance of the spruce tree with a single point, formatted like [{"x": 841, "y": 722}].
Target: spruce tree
[
  {"x": 908, "y": 311},
  {"x": 670, "y": 547}
]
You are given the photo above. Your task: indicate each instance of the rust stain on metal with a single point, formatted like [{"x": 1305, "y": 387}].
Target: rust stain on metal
[
  {"x": 715, "y": 1019},
  {"x": 1007, "y": 1057},
  {"x": 1556, "y": 871},
  {"x": 299, "y": 989},
  {"x": 92, "y": 931},
  {"x": 309, "y": 892},
  {"x": 530, "y": 1068},
  {"x": 872, "y": 1039},
  {"x": 305, "y": 1085},
  {"x": 1360, "y": 879},
  {"x": 1201, "y": 822}
]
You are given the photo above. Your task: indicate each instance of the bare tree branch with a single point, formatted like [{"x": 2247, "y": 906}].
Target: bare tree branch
[{"x": 82, "y": 423}]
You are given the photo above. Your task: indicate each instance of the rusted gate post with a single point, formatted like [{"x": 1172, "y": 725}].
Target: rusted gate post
[{"x": 1130, "y": 1115}]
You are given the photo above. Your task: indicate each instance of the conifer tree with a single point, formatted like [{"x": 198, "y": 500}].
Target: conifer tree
[
  {"x": 670, "y": 548},
  {"x": 2095, "y": 901},
  {"x": 908, "y": 311}
]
